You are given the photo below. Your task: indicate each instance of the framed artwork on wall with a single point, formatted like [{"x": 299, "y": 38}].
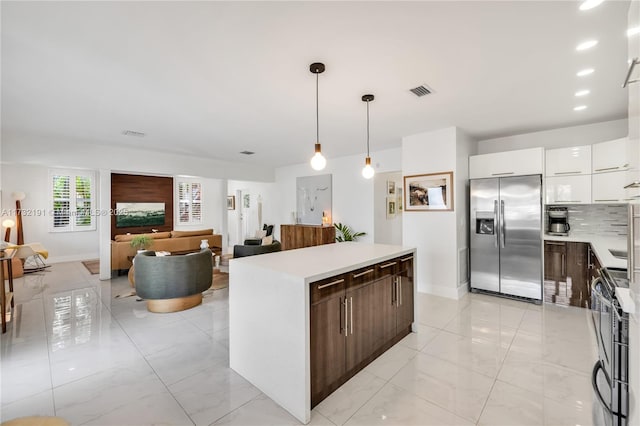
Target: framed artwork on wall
[
  {"x": 429, "y": 192},
  {"x": 391, "y": 207},
  {"x": 391, "y": 187},
  {"x": 231, "y": 202},
  {"x": 400, "y": 199}
]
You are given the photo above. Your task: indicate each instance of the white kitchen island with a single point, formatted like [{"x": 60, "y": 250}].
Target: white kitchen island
[{"x": 270, "y": 305}]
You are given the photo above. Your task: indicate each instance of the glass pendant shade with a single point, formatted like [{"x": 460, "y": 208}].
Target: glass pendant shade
[
  {"x": 318, "y": 162},
  {"x": 367, "y": 170}
]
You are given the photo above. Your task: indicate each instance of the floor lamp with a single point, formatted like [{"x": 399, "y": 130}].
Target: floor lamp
[
  {"x": 19, "y": 196},
  {"x": 8, "y": 224}
]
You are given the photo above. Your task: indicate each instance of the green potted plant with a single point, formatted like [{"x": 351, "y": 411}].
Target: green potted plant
[
  {"x": 141, "y": 242},
  {"x": 344, "y": 233}
]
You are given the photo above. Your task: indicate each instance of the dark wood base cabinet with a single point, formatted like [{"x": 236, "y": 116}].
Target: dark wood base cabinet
[
  {"x": 299, "y": 236},
  {"x": 566, "y": 273},
  {"x": 355, "y": 317}
]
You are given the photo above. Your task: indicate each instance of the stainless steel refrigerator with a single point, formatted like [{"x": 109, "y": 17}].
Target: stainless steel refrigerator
[{"x": 506, "y": 241}]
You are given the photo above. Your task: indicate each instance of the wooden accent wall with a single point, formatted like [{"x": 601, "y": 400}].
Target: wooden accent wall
[
  {"x": 298, "y": 236},
  {"x": 142, "y": 189}
]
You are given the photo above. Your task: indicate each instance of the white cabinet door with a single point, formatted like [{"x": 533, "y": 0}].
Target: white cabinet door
[
  {"x": 609, "y": 187},
  {"x": 612, "y": 156},
  {"x": 509, "y": 163},
  {"x": 568, "y": 189},
  {"x": 575, "y": 160}
]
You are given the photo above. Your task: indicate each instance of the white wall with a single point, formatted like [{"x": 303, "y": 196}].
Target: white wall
[
  {"x": 386, "y": 231},
  {"x": 558, "y": 138},
  {"x": 270, "y": 209},
  {"x": 465, "y": 146},
  {"x": 33, "y": 181},
  {"x": 352, "y": 194},
  {"x": 439, "y": 236}
]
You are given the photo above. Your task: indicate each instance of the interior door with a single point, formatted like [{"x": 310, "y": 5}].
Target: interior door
[
  {"x": 520, "y": 236},
  {"x": 484, "y": 230}
]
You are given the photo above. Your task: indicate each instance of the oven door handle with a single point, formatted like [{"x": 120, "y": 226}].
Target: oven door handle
[
  {"x": 594, "y": 383},
  {"x": 598, "y": 293}
]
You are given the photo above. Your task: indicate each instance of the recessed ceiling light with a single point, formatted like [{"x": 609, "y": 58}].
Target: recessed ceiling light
[
  {"x": 133, "y": 133},
  {"x": 586, "y": 45},
  {"x": 582, "y": 92},
  {"x": 590, "y": 4},
  {"x": 633, "y": 31},
  {"x": 580, "y": 108},
  {"x": 584, "y": 72}
]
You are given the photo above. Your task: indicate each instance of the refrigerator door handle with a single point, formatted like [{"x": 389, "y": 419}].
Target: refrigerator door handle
[
  {"x": 495, "y": 221},
  {"x": 502, "y": 225},
  {"x": 630, "y": 244}
]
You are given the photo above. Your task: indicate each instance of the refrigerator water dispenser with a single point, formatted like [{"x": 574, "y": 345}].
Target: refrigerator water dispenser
[{"x": 485, "y": 224}]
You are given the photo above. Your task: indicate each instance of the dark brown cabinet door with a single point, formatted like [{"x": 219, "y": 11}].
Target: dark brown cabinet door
[
  {"x": 555, "y": 253},
  {"x": 327, "y": 337},
  {"x": 405, "y": 295},
  {"x": 577, "y": 267},
  {"x": 361, "y": 324}
]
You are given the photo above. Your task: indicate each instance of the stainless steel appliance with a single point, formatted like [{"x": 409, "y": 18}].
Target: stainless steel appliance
[
  {"x": 505, "y": 241},
  {"x": 610, "y": 374},
  {"x": 558, "y": 221}
]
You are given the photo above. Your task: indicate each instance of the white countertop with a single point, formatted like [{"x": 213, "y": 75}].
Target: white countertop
[
  {"x": 318, "y": 262},
  {"x": 600, "y": 245}
]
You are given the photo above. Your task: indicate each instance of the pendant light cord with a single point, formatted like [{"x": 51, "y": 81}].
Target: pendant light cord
[
  {"x": 317, "y": 114},
  {"x": 367, "y": 128}
]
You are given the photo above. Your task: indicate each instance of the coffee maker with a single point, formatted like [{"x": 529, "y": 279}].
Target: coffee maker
[{"x": 558, "y": 221}]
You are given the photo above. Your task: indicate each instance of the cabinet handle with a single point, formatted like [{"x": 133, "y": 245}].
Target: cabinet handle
[
  {"x": 346, "y": 327},
  {"x": 400, "y": 288},
  {"x": 633, "y": 64},
  {"x": 320, "y": 287},
  {"x": 567, "y": 173},
  {"x": 606, "y": 200},
  {"x": 351, "y": 314},
  {"x": 406, "y": 258},
  {"x": 608, "y": 168},
  {"x": 397, "y": 292},
  {"x": 368, "y": 271},
  {"x": 553, "y": 243},
  {"x": 568, "y": 201},
  {"x": 386, "y": 265},
  {"x": 500, "y": 174},
  {"x": 563, "y": 266}
]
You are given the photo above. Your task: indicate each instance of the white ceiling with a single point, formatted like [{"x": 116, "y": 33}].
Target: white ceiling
[{"x": 215, "y": 78}]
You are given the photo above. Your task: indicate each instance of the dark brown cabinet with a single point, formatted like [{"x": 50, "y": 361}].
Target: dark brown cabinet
[
  {"x": 355, "y": 317},
  {"x": 566, "y": 273},
  {"x": 299, "y": 236}
]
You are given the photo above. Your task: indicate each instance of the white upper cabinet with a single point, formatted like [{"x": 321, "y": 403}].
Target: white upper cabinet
[
  {"x": 509, "y": 163},
  {"x": 612, "y": 156},
  {"x": 575, "y": 160},
  {"x": 609, "y": 188},
  {"x": 568, "y": 189}
]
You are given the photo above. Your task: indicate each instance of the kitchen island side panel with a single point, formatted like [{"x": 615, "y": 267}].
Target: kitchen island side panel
[{"x": 269, "y": 334}]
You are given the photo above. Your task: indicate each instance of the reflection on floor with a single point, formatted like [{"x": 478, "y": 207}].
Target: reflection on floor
[{"x": 75, "y": 351}]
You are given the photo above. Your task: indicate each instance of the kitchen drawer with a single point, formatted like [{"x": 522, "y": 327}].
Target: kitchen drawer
[
  {"x": 405, "y": 264},
  {"x": 362, "y": 276},
  {"x": 386, "y": 268},
  {"x": 328, "y": 288}
]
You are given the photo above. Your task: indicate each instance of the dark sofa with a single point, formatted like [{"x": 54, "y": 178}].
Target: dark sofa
[{"x": 251, "y": 247}]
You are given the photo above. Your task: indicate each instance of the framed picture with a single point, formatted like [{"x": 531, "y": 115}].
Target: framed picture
[
  {"x": 139, "y": 214},
  {"x": 429, "y": 192},
  {"x": 400, "y": 199},
  {"x": 391, "y": 207},
  {"x": 246, "y": 201},
  {"x": 391, "y": 187},
  {"x": 231, "y": 202}
]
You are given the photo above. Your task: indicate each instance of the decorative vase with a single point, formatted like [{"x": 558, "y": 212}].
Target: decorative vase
[{"x": 204, "y": 244}]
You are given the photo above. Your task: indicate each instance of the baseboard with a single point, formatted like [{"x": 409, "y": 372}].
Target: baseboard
[
  {"x": 72, "y": 258},
  {"x": 448, "y": 292},
  {"x": 463, "y": 289}
]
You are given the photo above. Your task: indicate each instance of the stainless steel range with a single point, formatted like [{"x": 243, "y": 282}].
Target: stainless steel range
[{"x": 610, "y": 376}]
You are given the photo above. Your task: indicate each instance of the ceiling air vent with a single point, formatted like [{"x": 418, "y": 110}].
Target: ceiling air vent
[
  {"x": 421, "y": 90},
  {"x": 133, "y": 133},
  {"x": 247, "y": 152}
]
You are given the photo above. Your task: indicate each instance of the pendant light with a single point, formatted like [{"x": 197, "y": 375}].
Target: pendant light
[
  {"x": 318, "y": 162},
  {"x": 367, "y": 171}
]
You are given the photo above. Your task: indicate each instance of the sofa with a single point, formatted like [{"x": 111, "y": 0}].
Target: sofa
[
  {"x": 252, "y": 247},
  {"x": 173, "y": 283},
  {"x": 174, "y": 241}
]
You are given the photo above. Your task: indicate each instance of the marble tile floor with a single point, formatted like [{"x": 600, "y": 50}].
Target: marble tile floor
[{"x": 74, "y": 350}]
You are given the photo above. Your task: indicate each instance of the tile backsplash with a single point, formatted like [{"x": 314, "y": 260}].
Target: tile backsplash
[{"x": 601, "y": 219}]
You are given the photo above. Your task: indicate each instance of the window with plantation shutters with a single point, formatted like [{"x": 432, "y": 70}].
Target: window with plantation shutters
[
  {"x": 189, "y": 202},
  {"x": 72, "y": 201}
]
